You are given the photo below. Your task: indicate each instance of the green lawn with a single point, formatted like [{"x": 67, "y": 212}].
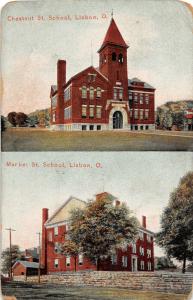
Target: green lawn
[{"x": 26, "y": 139}]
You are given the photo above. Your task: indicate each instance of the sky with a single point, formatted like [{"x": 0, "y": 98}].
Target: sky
[
  {"x": 143, "y": 181},
  {"x": 159, "y": 34}
]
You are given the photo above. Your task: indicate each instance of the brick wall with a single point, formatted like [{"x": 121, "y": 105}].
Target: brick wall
[{"x": 155, "y": 281}]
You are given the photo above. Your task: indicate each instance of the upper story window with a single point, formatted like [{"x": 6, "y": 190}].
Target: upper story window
[
  {"x": 120, "y": 58},
  {"x": 80, "y": 259},
  {"x": 141, "y": 99},
  {"x": 67, "y": 261},
  {"x": 147, "y": 114},
  {"x": 56, "y": 263},
  {"x": 98, "y": 92},
  {"x": 91, "y": 111},
  {"x": 56, "y": 230},
  {"x": 84, "y": 111},
  {"x": 141, "y": 114},
  {"x": 67, "y": 112},
  {"x": 84, "y": 92},
  {"x": 135, "y": 98},
  {"x": 141, "y": 235},
  {"x": 130, "y": 96},
  {"x": 120, "y": 94},
  {"x": 54, "y": 101},
  {"x": 67, "y": 94},
  {"x": 141, "y": 250},
  {"x": 148, "y": 237},
  {"x": 98, "y": 112},
  {"x": 136, "y": 114},
  {"x": 147, "y": 99},
  {"x": 49, "y": 236},
  {"x": 91, "y": 93},
  {"x": 149, "y": 253},
  {"x": 134, "y": 248},
  {"x": 115, "y": 94},
  {"x": 114, "y": 56}
]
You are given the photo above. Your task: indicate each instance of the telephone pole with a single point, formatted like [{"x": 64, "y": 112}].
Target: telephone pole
[
  {"x": 10, "y": 251},
  {"x": 39, "y": 266}
]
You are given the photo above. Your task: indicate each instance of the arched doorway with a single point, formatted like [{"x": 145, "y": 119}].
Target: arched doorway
[{"x": 117, "y": 120}]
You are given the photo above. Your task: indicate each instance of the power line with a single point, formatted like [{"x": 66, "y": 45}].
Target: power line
[{"x": 10, "y": 251}]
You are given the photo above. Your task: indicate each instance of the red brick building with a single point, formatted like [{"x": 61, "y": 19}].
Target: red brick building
[
  {"x": 102, "y": 98},
  {"x": 138, "y": 256}
]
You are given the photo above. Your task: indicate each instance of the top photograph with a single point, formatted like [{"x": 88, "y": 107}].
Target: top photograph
[{"x": 101, "y": 75}]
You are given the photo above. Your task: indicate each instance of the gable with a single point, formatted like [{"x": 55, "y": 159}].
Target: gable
[{"x": 63, "y": 213}]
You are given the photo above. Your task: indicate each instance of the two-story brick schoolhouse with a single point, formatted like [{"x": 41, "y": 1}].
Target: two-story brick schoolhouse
[
  {"x": 102, "y": 98},
  {"x": 137, "y": 256}
]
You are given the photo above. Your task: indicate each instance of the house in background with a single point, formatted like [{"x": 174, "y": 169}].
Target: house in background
[
  {"x": 26, "y": 268},
  {"x": 138, "y": 256},
  {"x": 102, "y": 98}
]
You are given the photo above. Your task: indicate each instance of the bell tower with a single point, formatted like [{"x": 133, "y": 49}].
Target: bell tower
[{"x": 113, "y": 63}]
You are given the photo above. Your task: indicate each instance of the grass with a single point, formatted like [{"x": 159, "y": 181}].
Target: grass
[{"x": 26, "y": 139}]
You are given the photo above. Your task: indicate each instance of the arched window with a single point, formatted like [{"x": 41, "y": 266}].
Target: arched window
[
  {"x": 114, "y": 56},
  {"x": 121, "y": 58},
  {"x": 91, "y": 92},
  {"x": 98, "y": 92},
  {"x": 84, "y": 92}
]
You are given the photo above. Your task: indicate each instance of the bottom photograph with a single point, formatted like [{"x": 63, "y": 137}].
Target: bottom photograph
[{"x": 97, "y": 226}]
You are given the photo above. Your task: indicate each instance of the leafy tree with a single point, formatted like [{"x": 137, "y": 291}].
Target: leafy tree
[
  {"x": 101, "y": 227},
  {"x": 12, "y": 118},
  {"x": 21, "y": 119},
  {"x": 32, "y": 120},
  {"x": 164, "y": 263},
  {"x": 71, "y": 249},
  {"x": 176, "y": 235},
  {"x": 5, "y": 258},
  {"x": 2, "y": 123}
]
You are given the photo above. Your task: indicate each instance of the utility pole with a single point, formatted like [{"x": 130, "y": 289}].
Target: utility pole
[
  {"x": 39, "y": 266},
  {"x": 10, "y": 251}
]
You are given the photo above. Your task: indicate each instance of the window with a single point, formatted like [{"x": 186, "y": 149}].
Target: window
[
  {"x": 120, "y": 58},
  {"x": 146, "y": 127},
  {"x": 98, "y": 92},
  {"x": 148, "y": 237},
  {"x": 56, "y": 247},
  {"x": 130, "y": 96},
  {"x": 84, "y": 92},
  {"x": 67, "y": 113},
  {"x": 141, "y": 114},
  {"x": 54, "y": 116},
  {"x": 136, "y": 127},
  {"x": 56, "y": 263},
  {"x": 98, "y": 127},
  {"x": 83, "y": 111},
  {"x": 91, "y": 111},
  {"x": 80, "y": 259},
  {"x": 115, "y": 94},
  {"x": 141, "y": 127},
  {"x": 141, "y": 250},
  {"x": 56, "y": 230},
  {"x": 114, "y": 56},
  {"x": 67, "y": 94},
  {"x": 67, "y": 261},
  {"x": 134, "y": 248},
  {"x": 83, "y": 127},
  {"x": 49, "y": 236},
  {"x": 149, "y": 253},
  {"x": 146, "y": 114},
  {"x": 54, "y": 101},
  {"x": 141, "y": 235},
  {"x": 91, "y": 93},
  {"x": 114, "y": 259},
  {"x": 98, "y": 112},
  {"x": 147, "y": 99},
  {"x": 141, "y": 99},
  {"x": 91, "y": 127},
  {"x": 149, "y": 266},
  {"x": 124, "y": 247},
  {"x": 131, "y": 113},
  {"x": 136, "y": 98},
  {"x": 124, "y": 261},
  {"x": 142, "y": 265},
  {"x": 136, "y": 114},
  {"x": 121, "y": 94}
]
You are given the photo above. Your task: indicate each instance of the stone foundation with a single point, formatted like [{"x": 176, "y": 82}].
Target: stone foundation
[{"x": 146, "y": 281}]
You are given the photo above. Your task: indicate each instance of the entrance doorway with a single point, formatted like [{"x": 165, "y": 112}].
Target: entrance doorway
[
  {"x": 117, "y": 120},
  {"x": 134, "y": 263}
]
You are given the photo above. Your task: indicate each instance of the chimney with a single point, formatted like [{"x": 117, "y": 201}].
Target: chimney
[
  {"x": 44, "y": 238},
  {"x": 144, "y": 221},
  {"x": 61, "y": 81}
]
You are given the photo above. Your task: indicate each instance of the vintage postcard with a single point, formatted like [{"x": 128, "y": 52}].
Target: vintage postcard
[
  {"x": 97, "y": 140},
  {"x": 97, "y": 75}
]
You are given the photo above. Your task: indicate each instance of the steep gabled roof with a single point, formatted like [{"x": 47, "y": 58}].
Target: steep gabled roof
[
  {"x": 62, "y": 213},
  {"x": 113, "y": 36}
]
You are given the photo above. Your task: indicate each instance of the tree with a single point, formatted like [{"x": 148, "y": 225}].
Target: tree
[
  {"x": 5, "y": 258},
  {"x": 176, "y": 235},
  {"x": 12, "y": 118},
  {"x": 71, "y": 249},
  {"x": 2, "y": 123},
  {"x": 101, "y": 227},
  {"x": 21, "y": 119}
]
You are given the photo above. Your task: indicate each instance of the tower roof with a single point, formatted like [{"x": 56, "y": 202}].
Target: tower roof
[{"x": 113, "y": 36}]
